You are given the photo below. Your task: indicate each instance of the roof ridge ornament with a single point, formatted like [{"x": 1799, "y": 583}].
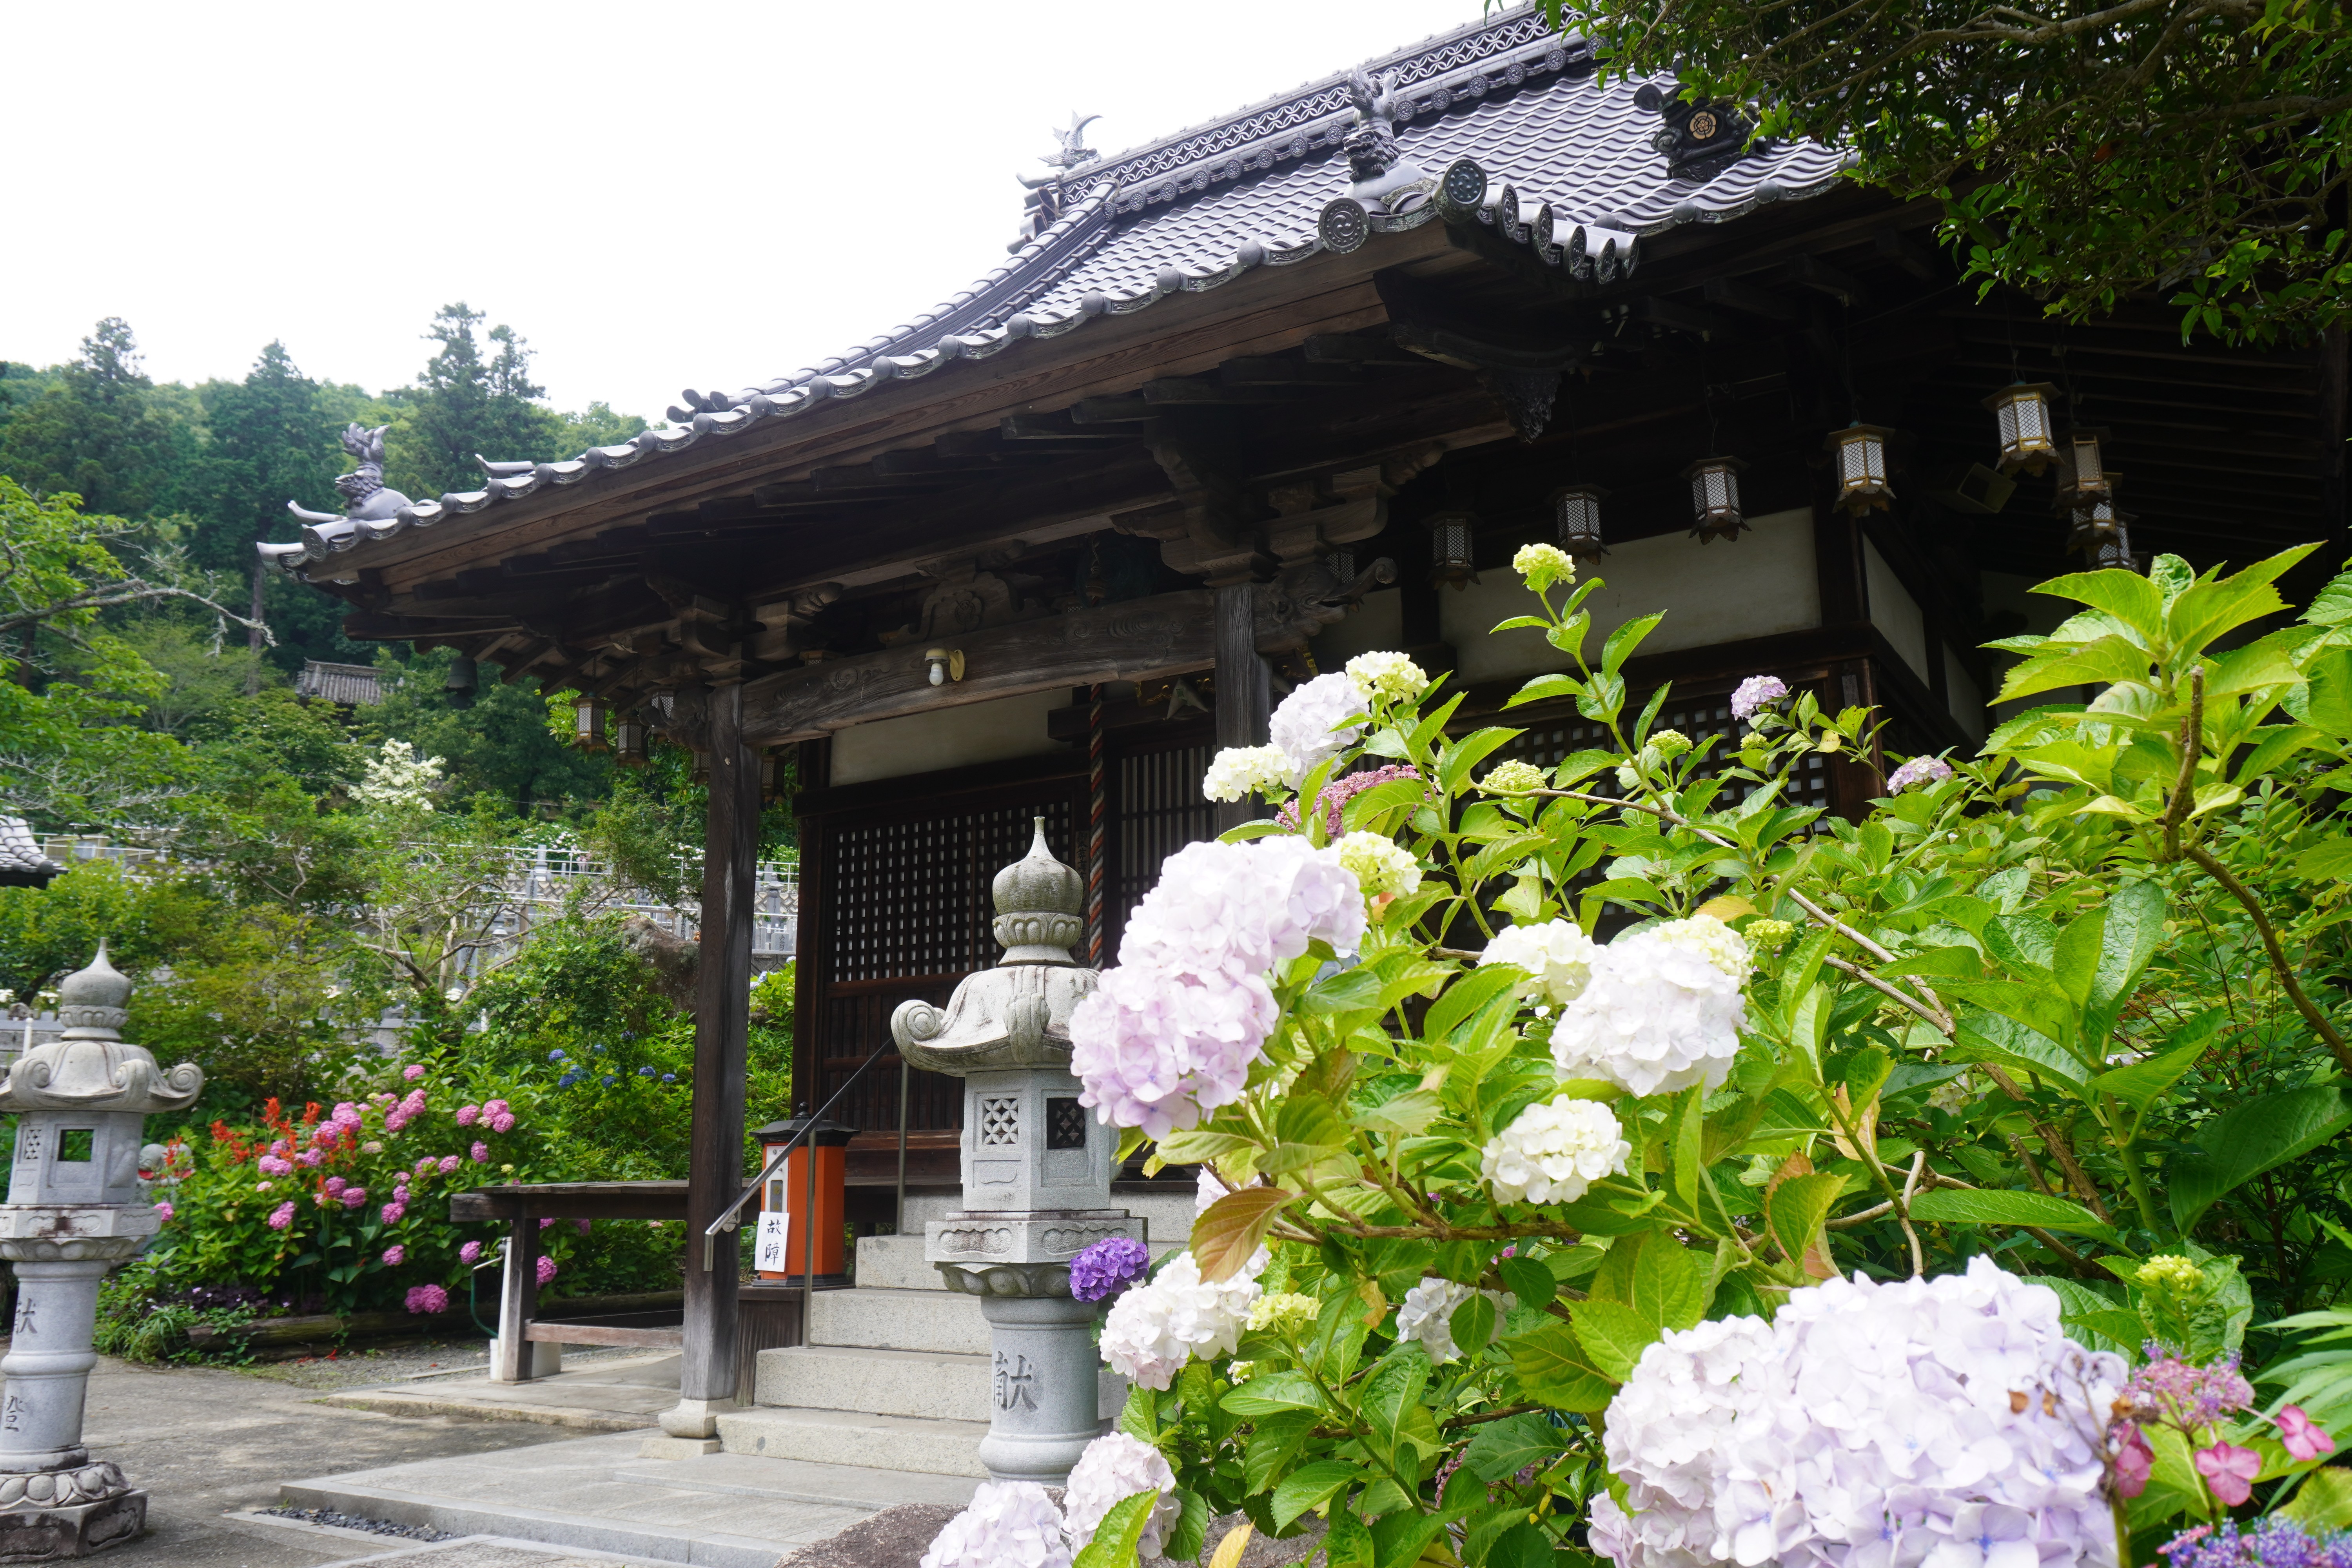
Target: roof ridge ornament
[
  {"x": 366, "y": 497},
  {"x": 1384, "y": 174},
  {"x": 1046, "y": 202}
]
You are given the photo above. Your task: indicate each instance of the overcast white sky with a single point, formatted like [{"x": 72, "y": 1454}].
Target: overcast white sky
[{"x": 654, "y": 195}]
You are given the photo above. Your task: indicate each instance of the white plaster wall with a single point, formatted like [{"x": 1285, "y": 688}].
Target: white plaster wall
[
  {"x": 947, "y": 738},
  {"x": 1376, "y": 625},
  {"x": 1761, "y": 583},
  {"x": 1961, "y": 692},
  {"x": 1893, "y": 611}
]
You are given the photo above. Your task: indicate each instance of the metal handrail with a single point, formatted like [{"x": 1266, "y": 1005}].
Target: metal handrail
[{"x": 727, "y": 1219}]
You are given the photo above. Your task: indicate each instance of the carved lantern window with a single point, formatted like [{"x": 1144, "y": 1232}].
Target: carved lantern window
[
  {"x": 1715, "y": 498},
  {"x": 1577, "y": 510},
  {"x": 1450, "y": 559},
  {"x": 588, "y": 724},
  {"x": 1860, "y": 451},
  {"x": 2022, "y": 411}
]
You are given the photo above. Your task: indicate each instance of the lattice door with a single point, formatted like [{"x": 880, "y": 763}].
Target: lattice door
[{"x": 1157, "y": 810}]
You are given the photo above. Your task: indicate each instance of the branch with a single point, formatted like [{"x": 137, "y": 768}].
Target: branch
[
  {"x": 133, "y": 592},
  {"x": 2270, "y": 945},
  {"x": 2193, "y": 746}
]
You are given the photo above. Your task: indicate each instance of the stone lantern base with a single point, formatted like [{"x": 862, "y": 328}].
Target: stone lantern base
[{"x": 68, "y": 1513}]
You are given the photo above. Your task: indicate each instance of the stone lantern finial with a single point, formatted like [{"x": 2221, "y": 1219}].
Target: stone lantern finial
[{"x": 1039, "y": 906}]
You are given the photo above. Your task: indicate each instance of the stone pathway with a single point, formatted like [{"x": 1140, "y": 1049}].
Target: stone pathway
[{"x": 615, "y": 1394}]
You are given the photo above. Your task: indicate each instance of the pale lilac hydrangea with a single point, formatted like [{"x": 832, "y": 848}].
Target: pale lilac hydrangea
[
  {"x": 1929, "y": 771},
  {"x": 1335, "y": 796},
  {"x": 1010, "y": 1524},
  {"x": 1556, "y": 954},
  {"x": 1170, "y": 1032},
  {"x": 1662, "y": 1011},
  {"x": 1318, "y": 721},
  {"x": 427, "y": 1299},
  {"x": 1114, "y": 1468},
  {"x": 1108, "y": 1267},
  {"x": 1757, "y": 693},
  {"x": 1944, "y": 1421},
  {"x": 1426, "y": 1314},
  {"x": 1551, "y": 1152},
  {"x": 1156, "y": 1328}
]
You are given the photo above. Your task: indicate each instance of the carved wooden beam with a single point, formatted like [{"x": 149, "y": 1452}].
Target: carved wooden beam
[{"x": 1141, "y": 639}]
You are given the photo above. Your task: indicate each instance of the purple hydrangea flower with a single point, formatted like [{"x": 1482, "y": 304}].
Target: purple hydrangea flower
[
  {"x": 1340, "y": 791},
  {"x": 394, "y": 1256},
  {"x": 1757, "y": 693},
  {"x": 546, "y": 1269},
  {"x": 1919, "y": 771},
  {"x": 2273, "y": 1542},
  {"x": 470, "y": 1253},
  {"x": 1108, "y": 1267},
  {"x": 427, "y": 1299}
]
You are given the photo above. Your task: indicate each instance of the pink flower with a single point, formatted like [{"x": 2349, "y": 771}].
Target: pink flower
[
  {"x": 468, "y": 1114},
  {"x": 545, "y": 1222},
  {"x": 1757, "y": 693},
  {"x": 310, "y": 1157},
  {"x": 583, "y": 1230},
  {"x": 494, "y": 1108},
  {"x": 335, "y": 1185},
  {"x": 1919, "y": 771},
  {"x": 165, "y": 1210},
  {"x": 426, "y": 1300},
  {"x": 355, "y": 1197},
  {"x": 393, "y": 1121},
  {"x": 391, "y": 1211},
  {"x": 282, "y": 1216},
  {"x": 546, "y": 1269},
  {"x": 394, "y": 1255},
  {"x": 412, "y": 1071},
  {"x": 2229, "y": 1470},
  {"x": 415, "y": 1104},
  {"x": 449, "y": 1162},
  {"x": 2303, "y": 1439},
  {"x": 271, "y": 1165},
  {"x": 470, "y": 1253},
  {"x": 481, "y": 1153},
  {"x": 425, "y": 1166},
  {"x": 1340, "y": 791},
  {"x": 2135, "y": 1460},
  {"x": 502, "y": 1122}
]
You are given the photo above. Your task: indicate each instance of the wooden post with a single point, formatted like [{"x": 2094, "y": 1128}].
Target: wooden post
[
  {"x": 1245, "y": 686},
  {"x": 518, "y": 1300},
  {"x": 721, "y": 1039}
]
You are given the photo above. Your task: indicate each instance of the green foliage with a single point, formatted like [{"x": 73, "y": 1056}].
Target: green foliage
[
  {"x": 2086, "y": 153},
  {"x": 469, "y": 402}
]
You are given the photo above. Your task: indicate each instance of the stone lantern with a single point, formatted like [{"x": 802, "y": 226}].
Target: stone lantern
[
  {"x": 75, "y": 1213},
  {"x": 1036, "y": 1168}
]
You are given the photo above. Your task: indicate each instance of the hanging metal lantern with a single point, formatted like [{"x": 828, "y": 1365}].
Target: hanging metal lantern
[
  {"x": 2023, "y": 411},
  {"x": 1715, "y": 498},
  {"x": 2083, "y": 478},
  {"x": 463, "y": 680},
  {"x": 1861, "y": 468},
  {"x": 1577, "y": 510},
  {"x": 1449, "y": 549},
  {"x": 588, "y": 724},
  {"x": 2100, "y": 534},
  {"x": 2111, "y": 547},
  {"x": 629, "y": 741}
]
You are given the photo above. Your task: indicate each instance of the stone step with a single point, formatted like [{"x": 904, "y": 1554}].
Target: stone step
[
  {"x": 871, "y": 1318},
  {"x": 922, "y": 1384},
  {"x": 895, "y": 1263},
  {"x": 835, "y": 1437}
]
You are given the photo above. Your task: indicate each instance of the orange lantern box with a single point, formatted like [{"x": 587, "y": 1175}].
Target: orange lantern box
[{"x": 782, "y": 1245}]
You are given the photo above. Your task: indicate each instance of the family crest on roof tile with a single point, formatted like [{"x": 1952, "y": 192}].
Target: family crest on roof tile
[{"x": 1534, "y": 148}]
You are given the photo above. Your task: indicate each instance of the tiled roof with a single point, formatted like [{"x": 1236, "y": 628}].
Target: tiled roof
[
  {"x": 346, "y": 684},
  {"x": 1574, "y": 171},
  {"x": 22, "y": 864}
]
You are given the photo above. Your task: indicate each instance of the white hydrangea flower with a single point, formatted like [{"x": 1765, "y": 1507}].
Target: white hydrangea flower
[
  {"x": 1381, "y": 865},
  {"x": 1945, "y": 1421},
  {"x": 1386, "y": 677},
  {"x": 1514, "y": 778},
  {"x": 1158, "y": 1326},
  {"x": 1660, "y": 1011},
  {"x": 1543, "y": 564},
  {"x": 1239, "y": 772},
  {"x": 1556, "y": 954},
  {"x": 1208, "y": 1187},
  {"x": 1318, "y": 721},
  {"x": 395, "y": 777},
  {"x": 1114, "y": 1468},
  {"x": 1426, "y": 1314},
  {"x": 1553, "y": 1152},
  {"x": 1010, "y": 1524}
]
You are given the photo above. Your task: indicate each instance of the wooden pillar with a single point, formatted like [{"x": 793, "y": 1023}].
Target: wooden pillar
[
  {"x": 721, "y": 1038},
  {"x": 1245, "y": 686},
  {"x": 518, "y": 1301}
]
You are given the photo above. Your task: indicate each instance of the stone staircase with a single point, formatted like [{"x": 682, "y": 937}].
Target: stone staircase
[{"x": 897, "y": 1375}]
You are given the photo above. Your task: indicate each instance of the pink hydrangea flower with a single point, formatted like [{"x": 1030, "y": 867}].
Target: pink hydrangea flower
[
  {"x": 494, "y": 1108},
  {"x": 544, "y": 1223},
  {"x": 449, "y": 1162},
  {"x": 481, "y": 1153},
  {"x": 2229, "y": 1470},
  {"x": 394, "y": 1256},
  {"x": 311, "y": 1157},
  {"x": 424, "y": 1166},
  {"x": 335, "y": 1185},
  {"x": 282, "y": 1216},
  {"x": 503, "y": 1121},
  {"x": 166, "y": 1211},
  {"x": 415, "y": 1103},
  {"x": 427, "y": 1299},
  {"x": 393, "y": 1121},
  {"x": 583, "y": 1230},
  {"x": 412, "y": 1071},
  {"x": 546, "y": 1269},
  {"x": 2301, "y": 1437},
  {"x": 353, "y": 1198},
  {"x": 1339, "y": 791},
  {"x": 2134, "y": 1461},
  {"x": 468, "y": 1114},
  {"x": 271, "y": 1165},
  {"x": 390, "y": 1213},
  {"x": 470, "y": 1253}
]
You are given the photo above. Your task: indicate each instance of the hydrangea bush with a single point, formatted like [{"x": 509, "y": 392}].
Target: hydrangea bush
[{"x": 1612, "y": 1154}]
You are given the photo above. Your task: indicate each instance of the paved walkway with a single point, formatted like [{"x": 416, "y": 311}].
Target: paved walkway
[{"x": 623, "y": 1395}]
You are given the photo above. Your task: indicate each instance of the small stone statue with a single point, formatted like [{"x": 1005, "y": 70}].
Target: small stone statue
[
  {"x": 1382, "y": 173},
  {"x": 1036, "y": 1168},
  {"x": 75, "y": 1213}
]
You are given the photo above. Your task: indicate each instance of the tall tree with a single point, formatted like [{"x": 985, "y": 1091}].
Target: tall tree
[
  {"x": 99, "y": 433},
  {"x": 272, "y": 442},
  {"x": 469, "y": 402},
  {"x": 2089, "y": 149}
]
